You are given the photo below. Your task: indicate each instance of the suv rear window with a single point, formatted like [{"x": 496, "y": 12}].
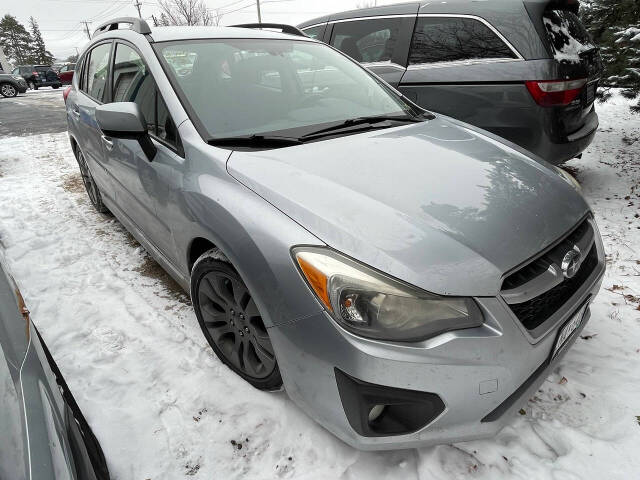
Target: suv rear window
[
  {"x": 567, "y": 35},
  {"x": 367, "y": 40},
  {"x": 451, "y": 39}
]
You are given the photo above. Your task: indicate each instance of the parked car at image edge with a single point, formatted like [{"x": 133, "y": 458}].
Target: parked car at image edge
[
  {"x": 44, "y": 434},
  {"x": 65, "y": 73},
  {"x": 526, "y": 71},
  {"x": 407, "y": 278},
  {"x": 11, "y": 85},
  {"x": 38, "y": 76}
]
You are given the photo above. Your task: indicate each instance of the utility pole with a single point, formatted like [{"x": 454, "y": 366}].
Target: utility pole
[
  {"x": 86, "y": 29},
  {"x": 259, "y": 14},
  {"x": 138, "y": 5}
]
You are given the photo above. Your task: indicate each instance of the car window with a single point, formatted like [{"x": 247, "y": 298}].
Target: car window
[
  {"x": 132, "y": 82},
  {"x": 71, "y": 66},
  {"x": 367, "y": 40},
  {"x": 566, "y": 34},
  {"x": 452, "y": 39},
  {"x": 165, "y": 128},
  {"x": 16, "y": 71},
  {"x": 244, "y": 86},
  {"x": 314, "y": 32},
  {"x": 97, "y": 71}
]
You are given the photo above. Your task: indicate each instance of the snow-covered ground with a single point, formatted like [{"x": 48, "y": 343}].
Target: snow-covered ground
[{"x": 164, "y": 407}]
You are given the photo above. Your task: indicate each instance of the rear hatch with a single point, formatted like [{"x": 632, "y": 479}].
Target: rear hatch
[
  {"x": 576, "y": 58},
  {"x": 46, "y": 74}
]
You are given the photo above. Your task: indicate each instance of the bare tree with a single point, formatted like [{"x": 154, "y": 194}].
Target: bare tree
[{"x": 185, "y": 12}]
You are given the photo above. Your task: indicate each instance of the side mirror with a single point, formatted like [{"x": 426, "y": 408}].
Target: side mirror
[{"x": 125, "y": 120}]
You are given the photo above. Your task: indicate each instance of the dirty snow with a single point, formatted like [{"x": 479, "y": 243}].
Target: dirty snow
[{"x": 164, "y": 407}]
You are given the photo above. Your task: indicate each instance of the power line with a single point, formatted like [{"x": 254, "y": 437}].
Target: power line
[{"x": 86, "y": 28}]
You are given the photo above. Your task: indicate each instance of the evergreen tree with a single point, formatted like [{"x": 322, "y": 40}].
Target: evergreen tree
[
  {"x": 39, "y": 52},
  {"x": 615, "y": 27},
  {"x": 15, "y": 40}
]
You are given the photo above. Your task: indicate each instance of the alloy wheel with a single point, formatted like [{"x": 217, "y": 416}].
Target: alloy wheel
[
  {"x": 233, "y": 322},
  {"x": 8, "y": 90}
]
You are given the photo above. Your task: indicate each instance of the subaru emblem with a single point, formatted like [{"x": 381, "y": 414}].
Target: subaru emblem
[{"x": 571, "y": 262}]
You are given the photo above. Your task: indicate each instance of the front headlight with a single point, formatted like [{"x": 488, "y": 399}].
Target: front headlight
[
  {"x": 567, "y": 177},
  {"x": 373, "y": 305}
]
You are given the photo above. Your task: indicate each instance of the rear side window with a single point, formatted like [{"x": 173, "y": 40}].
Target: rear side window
[
  {"x": 132, "y": 82},
  {"x": 97, "y": 71},
  {"x": 454, "y": 39},
  {"x": 314, "y": 32},
  {"x": 367, "y": 41},
  {"x": 567, "y": 35}
]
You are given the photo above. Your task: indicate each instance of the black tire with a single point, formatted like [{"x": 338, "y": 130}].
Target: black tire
[
  {"x": 8, "y": 90},
  {"x": 231, "y": 323},
  {"x": 57, "y": 86},
  {"x": 89, "y": 183}
]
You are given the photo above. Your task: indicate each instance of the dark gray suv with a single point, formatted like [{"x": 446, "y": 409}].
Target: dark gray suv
[{"x": 526, "y": 71}]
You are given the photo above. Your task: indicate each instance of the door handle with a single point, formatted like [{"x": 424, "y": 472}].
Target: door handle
[
  {"x": 75, "y": 112},
  {"x": 107, "y": 143}
]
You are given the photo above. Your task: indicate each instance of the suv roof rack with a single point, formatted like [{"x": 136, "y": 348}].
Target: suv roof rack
[
  {"x": 137, "y": 25},
  {"x": 290, "y": 29}
]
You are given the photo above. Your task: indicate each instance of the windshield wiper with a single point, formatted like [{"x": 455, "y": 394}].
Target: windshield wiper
[
  {"x": 365, "y": 121},
  {"x": 254, "y": 140}
]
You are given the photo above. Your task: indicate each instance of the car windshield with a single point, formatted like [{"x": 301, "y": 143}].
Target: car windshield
[{"x": 241, "y": 87}]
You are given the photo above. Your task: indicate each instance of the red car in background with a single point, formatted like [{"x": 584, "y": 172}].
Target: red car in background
[{"x": 66, "y": 73}]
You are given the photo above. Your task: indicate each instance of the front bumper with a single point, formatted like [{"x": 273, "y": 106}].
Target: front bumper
[{"x": 481, "y": 374}]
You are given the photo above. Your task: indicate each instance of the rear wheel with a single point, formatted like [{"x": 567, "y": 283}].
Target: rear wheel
[
  {"x": 232, "y": 323},
  {"x": 57, "y": 85},
  {"x": 8, "y": 90},
  {"x": 90, "y": 184}
]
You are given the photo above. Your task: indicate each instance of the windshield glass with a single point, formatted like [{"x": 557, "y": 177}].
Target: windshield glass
[{"x": 258, "y": 86}]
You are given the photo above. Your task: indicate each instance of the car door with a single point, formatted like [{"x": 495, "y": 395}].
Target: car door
[
  {"x": 381, "y": 43},
  {"x": 92, "y": 91},
  {"x": 461, "y": 66},
  {"x": 142, "y": 190}
]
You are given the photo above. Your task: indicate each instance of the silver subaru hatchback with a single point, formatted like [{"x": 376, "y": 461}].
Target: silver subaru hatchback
[{"x": 407, "y": 278}]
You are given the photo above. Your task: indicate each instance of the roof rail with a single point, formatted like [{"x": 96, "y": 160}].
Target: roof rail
[
  {"x": 137, "y": 25},
  {"x": 290, "y": 29}
]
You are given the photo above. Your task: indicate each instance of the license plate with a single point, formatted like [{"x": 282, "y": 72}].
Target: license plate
[{"x": 567, "y": 330}]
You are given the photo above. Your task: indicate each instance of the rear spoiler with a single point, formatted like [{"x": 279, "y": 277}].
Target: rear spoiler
[{"x": 570, "y": 5}]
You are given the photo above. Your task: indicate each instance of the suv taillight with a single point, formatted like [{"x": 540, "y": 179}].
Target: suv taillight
[
  {"x": 555, "y": 93},
  {"x": 65, "y": 93}
]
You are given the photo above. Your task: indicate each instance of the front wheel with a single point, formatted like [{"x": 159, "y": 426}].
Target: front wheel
[
  {"x": 89, "y": 184},
  {"x": 231, "y": 322},
  {"x": 8, "y": 90}
]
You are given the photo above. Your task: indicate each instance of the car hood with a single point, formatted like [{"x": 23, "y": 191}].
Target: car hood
[{"x": 436, "y": 204}]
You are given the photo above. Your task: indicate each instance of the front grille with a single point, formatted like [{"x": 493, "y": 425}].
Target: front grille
[
  {"x": 538, "y": 290},
  {"x": 541, "y": 264},
  {"x": 534, "y": 312}
]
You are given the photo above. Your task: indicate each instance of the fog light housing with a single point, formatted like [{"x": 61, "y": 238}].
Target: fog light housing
[{"x": 378, "y": 411}]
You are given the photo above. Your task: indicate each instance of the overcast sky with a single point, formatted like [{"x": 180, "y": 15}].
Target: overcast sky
[{"x": 60, "y": 20}]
